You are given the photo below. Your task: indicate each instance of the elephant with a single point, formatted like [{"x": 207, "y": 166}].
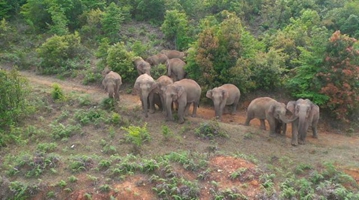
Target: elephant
[
  {"x": 157, "y": 59},
  {"x": 174, "y": 54},
  {"x": 225, "y": 95},
  {"x": 143, "y": 86},
  {"x": 175, "y": 69},
  {"x": 266, "y": 108},
  {"x": 308, "y": 115},
  {"x": 142, "y": 66},
  {"x": 183, "y": 93},
  {"x": 161, "y": 82},
  {"x": 112, "y": 83}
]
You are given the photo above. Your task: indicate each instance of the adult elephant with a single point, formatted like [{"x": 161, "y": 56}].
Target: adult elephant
[
  {"x": 184, "y": 93},
  {"x": 158, "y": 87},
  {"x": 143, "y": 86},
  {"x": 175, "y": 69},
  {"x": 225, "y": 95},
  {"x": 157, "y": 59},
  {"x": 308, "y": 115},
  {"x": 112, "y": 83},
  {"x": 174, "y": 54},
  {"x": 266, "y": 108},
  {"x": 142, "y": 66}
]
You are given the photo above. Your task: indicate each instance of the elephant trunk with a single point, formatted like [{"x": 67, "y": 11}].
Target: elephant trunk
[
  {"x": 302, "y": 124},
  {"x": 168, "y": 105},
  {"x": 145, "y": 103},
  {"x": 217, "y": 108},
  {"x": 111, "y": 92},
  {"x": 286, "y": 120}
]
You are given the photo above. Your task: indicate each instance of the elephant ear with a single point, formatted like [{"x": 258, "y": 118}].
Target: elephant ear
[
  {"x": 271, "y": 109},
  {"x": 209, "y": 94},
  {"x": 291, "y": 106},
  {"x": 154, "y": 86},
  {"x": 180, "y": 91},
  {"x": 225, "y": 94}
]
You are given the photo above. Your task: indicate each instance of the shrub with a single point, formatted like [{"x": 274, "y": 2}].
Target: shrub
[
  {"x": 13, "y": 90},
  {"x": 120, "y": 61},
  {"x": 210, "y": 130},
  {"x": 57, "y": 52},
  {"x": 57, "y": 93},
  {"x": 137, "y": 135}
]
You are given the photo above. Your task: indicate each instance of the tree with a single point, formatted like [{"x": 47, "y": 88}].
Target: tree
[
  {"x": 344, "y": 18},
  {"x": 111, "y": 22},
  {"x": 212, "y": 58},
  {"x": 175, "y": 27},
  {"x": 339, "y": 76},
  {"x": 150, "y": 10}
]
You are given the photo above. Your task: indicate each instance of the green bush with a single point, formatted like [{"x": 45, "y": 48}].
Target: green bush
[
  {"x": 58, "y": 53},
  {"x": 13, "y": 90},
  {"x": 120, "y": 61},
  {"x": 137, "y": 135},
  {"x": 57, "y": 93}
]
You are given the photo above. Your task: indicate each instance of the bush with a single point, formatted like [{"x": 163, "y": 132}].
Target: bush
[
  {"x": 57, "y": 93},
  {"x": 137, "y": 135},
  {"x": 57, "y": 53},
  {"x": 13, "y": 90},
  {"x": 120, "y": 61}
]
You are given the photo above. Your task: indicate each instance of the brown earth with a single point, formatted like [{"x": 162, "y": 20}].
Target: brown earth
[{"x": 338, "y": 148}]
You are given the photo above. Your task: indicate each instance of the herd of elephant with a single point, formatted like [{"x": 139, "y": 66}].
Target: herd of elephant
[{"x": 174, "y": 89}]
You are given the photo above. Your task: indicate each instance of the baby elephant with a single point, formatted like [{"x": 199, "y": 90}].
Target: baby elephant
[
  {"x": 112, "y": 83},
  {"x": 226, "y": 95},
  {"x": 266, "y": 108}
]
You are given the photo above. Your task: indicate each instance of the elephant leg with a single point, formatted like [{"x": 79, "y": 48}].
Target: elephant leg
[
  {"x": 314, "y": 129},
  {"x": 284, "y": 128},
  {"x": 181, "y": 110},
  {"x": 234, "y": 109},
  {"x": 294, "y": 134},
  {"x": 272, "y": 126},
  {"x": 248, "y": 120},
  {"x": 186, "y": 112},
  {"x": 194, "y": 112},
  {"x": 263, "y": 124}
]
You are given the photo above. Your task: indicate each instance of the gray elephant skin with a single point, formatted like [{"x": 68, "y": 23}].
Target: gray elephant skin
[
  {"x": 142, "y": 66},
  {"x": 157, "y": 59},
  {"x": 174, "y": 54},
  {"x": 308, "y": 115},
  {"x": 183, "y": 93},
  {"x": 266, "y": 108},
  {"x": 225, "y": 95},
  {"x": 112, "y": 83},
  {"x": 143, "y": 86},
  {"x": 175, "y": 69},
  {"x": 161, "y": 83}
]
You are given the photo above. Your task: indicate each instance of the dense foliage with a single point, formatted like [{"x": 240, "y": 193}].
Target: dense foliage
[
  {"x": 256, "y": 45},
  {"x": 12, "y": 99}
]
